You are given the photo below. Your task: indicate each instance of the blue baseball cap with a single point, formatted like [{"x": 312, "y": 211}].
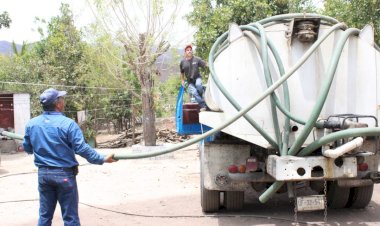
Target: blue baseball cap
[{"x": 50, "y": 95}]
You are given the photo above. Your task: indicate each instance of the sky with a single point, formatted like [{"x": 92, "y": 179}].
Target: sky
[{"x": 24, "y": 12}]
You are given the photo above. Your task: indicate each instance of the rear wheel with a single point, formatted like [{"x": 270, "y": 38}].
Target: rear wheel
[
  {"x": 337, "y": 197},
  {"x": 360, "y": 197},
  {"x": 234, "y": 200},
  {"x": 210, "y": 200}
]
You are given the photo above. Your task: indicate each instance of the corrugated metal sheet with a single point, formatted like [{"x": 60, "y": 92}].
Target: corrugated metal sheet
[
  {"x": 6, "y": 111},
  {"x": 14, "y": 111},
  {"x": 21, "y": 111}
]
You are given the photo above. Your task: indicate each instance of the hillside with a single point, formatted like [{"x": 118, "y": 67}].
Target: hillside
[{"x": 6, "y": 47}]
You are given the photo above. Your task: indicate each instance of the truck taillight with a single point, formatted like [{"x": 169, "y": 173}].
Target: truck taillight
[
  {"x": 363, "y": 166},
  {"x": 252, "y": 164}
]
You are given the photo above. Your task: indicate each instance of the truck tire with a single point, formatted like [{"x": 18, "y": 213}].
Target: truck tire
[
  {"x": 233, "y": 200},
  {"x": 337, "y": 197},
  {"x": 360, "y": 197},
  {"x": 210, "y": 200}
]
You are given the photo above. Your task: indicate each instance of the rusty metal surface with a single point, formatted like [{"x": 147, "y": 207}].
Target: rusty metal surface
[{"x": 6, "y": 111}]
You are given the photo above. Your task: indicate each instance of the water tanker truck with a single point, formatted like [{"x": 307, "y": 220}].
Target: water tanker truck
[
  {"x": 307, "y": 90},
  {"x": 294, "y": 100}
]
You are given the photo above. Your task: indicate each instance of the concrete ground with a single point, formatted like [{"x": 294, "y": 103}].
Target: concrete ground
[{"x": 156, "y": 191}]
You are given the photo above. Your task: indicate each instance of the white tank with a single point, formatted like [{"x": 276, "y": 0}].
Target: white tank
[{"x": 354, "y": 89}]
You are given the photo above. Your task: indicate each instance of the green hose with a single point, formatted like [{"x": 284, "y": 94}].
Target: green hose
[
  {"x": 339, "y": 135},
  {"x": 12, "y": 135},
  {"x": 377, "y": 47},
  {"x": 268, "y": 80}
]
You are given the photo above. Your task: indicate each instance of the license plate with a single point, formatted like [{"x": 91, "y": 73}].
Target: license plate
[{"x": 310, "y": 203}]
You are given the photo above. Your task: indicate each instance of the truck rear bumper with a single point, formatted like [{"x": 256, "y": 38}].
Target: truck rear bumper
[{"x": 293, "y": 168}]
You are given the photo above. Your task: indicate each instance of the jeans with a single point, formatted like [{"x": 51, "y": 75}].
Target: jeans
[
  {"x": 196, "y": 90},
  {"x": 58, "y": 184}
]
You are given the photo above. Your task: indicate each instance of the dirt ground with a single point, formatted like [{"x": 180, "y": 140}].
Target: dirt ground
[{"x": 154, "y": 191}]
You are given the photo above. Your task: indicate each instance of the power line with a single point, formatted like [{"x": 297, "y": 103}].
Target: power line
[
  {"x": 65, "y": 86},
  {"x": 2, "y": 96},
  {"x": 95, "y": 94},
  {"x": 104, "y": 94},
  {"x": 105, "y": 108}
]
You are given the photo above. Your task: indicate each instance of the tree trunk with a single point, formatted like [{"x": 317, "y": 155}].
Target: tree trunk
[
  {"x": 133, "y": 122},
  {"x": 149, "y": 119}
]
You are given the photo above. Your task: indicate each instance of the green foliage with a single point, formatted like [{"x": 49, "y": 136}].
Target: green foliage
[
  {"x": 212, "y": 17},
  {"x": 88, "y": 128},
  {"x": 105, "y": 69},
  {"x": 60, "y": 58},
  {"x": 23, "y": 48},
  {"x": 62, "y": 50},
  {"x": 166, "y": 96},
  {"x": 19, "y": 71},
  {"x": 5, "y": 21},
  {"x": 356, "y": 13}
]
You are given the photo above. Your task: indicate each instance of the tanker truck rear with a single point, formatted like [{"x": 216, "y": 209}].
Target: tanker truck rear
[{"x": 308, "y": 88}]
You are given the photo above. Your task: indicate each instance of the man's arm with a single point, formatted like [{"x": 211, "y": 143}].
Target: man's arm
[
  {"x": 182, "y": 76},
  {"x": 202, "y": 63},
  {"x": 81, "y": 148},
  {"x": 26, "y": 143}
]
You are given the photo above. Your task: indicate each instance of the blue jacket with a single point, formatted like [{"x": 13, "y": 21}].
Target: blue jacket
[{"x": 54, "y": 140}]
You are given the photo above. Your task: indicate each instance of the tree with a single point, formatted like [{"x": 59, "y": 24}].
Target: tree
[
  {"x": 61, "y": 60},
  {"x": 5, "y": 21},
  {"x": 212, "y": 17},
  {"x": 167, "y": 95},
  {"x": 19, "y": 70},
  {"x": 23, "y": 49},
  {"x": 106, "y": 71},
  {"x": 141, "y": 27},
  {"x": 356, "y": 13}
]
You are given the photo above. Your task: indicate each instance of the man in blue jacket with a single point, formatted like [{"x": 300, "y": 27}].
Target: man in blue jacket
[{"x": 55, "y": 139}]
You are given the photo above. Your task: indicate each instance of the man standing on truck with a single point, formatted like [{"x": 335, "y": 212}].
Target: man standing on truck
[
  {"x": 54, "y": 140},
  {"x": 189, "y": 68}
]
